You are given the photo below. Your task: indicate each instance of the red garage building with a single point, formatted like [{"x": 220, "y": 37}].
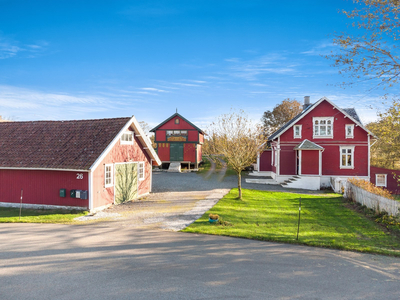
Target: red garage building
[
  {"x": 179, "y": 140},
  {"x": 85, "y": 164}
]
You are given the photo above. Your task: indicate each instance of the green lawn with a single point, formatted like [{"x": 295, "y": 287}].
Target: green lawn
[
  {"x": 11, "y": 215},
  {"x": 273, "y": 216}
]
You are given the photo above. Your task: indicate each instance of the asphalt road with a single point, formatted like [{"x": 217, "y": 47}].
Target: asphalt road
[
  {"x": 126, "y": 260},
  {"x": 47, "y": 261}
]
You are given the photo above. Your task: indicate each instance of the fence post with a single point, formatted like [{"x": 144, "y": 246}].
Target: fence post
[{"x": 298, "y": 224}]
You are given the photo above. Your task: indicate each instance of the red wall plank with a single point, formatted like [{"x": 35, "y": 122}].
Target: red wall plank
[
  {"x": 189, "y": 152},
  {"x": 193, "y": 135},
  {"x": 310, "y": 162},
  {"x": 42, "y": 187},
  {"x": 161, "y": 135},
  {"x": 392, "y": 184},
  {"x": 265, "y": 161},
  {"x": 287, "y": 161},
  {"x": 163, "y": 151},
  {"x": 170, "y": 125}
]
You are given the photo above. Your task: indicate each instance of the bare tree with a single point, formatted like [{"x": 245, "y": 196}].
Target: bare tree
[
  {"x": 372, "y": 54},
  {"x": 280, "y": 115},
  {"x": 238, "y": 139}
]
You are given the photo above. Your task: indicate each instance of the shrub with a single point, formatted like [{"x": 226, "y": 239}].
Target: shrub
[{"x": 370, "y": 187}]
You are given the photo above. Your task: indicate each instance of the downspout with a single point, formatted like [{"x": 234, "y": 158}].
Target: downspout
[
  {"x": 90, "y": 178},
  {"x": 369, "y": 158}
]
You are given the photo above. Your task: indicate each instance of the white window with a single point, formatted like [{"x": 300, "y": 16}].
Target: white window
[
  {"x": 108, "y": 175},
  {"x": 141, "y": 171},
  {"x": 323, "y": 127},
  {"x": 297, "y": 131},
  {"x": 349, "y": 131},
  {"x": 127, "y": 138},
  {"x": 381, "y": 180},
  {"x": 347, "y": 157}
]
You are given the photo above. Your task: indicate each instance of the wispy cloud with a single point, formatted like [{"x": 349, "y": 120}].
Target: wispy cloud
[
  {"x": 10, "y": 48},
  {"x": 43, "y": 105},
  {"x": 267, "y": 64},
  {"x": 322, "y": 48}
]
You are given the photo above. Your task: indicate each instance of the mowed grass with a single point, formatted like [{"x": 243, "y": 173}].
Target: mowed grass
[
  {"x": 11, "y": 215},
  {"x": 273, "y": 216}
]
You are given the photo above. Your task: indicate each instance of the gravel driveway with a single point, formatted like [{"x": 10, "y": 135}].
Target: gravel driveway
[{"x": 177, "y": 200}]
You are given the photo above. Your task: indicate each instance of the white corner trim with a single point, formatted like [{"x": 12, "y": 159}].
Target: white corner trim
[{"x": 90, "y": 178}]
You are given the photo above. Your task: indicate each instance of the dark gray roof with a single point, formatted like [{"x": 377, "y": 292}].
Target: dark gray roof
[
  {"x": 349, "y": 111},
  {"x": 288, "y": 124},
  {"x": 352, "y": 113},
  {"x": 308, "y": 145}
]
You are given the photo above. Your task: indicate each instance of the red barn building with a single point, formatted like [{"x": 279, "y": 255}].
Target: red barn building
[
  {"x": 322, "y": 144},
  {"x": 79, "y": 164},
  {"x": 179, "y": 140}
]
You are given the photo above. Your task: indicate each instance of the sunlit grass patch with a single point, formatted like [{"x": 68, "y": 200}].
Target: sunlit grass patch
[
  {"x": 11, "y": 215},
  {"x": 273, "y": 216}
]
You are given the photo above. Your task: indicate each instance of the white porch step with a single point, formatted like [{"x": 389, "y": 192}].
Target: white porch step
[
  {"x": 174, "y": 167},
  {"x": 303, "y": 182},
  {"x": 261, "y": 181}
]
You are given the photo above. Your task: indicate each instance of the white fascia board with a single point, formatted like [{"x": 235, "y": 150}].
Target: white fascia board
[
  {"x": 110, "y": 146},
  {"x": 142, "y": 137},
  {"x": 145, "y": 141},
  {"x": 335, "y": 106},
  {"x": 43, "y": 169}
]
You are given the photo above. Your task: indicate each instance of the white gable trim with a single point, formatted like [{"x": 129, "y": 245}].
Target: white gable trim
[
  {"x": 336, "y": 107},
  {"x": 140, "y": 135}
]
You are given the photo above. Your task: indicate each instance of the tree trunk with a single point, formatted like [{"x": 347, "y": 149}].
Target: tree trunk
[{"x": 240, "y": 184}]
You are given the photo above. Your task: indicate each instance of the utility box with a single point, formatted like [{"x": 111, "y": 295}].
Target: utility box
[
  {"x": 63, "y": 193},
  {"x": 72, "y": 193},
  {"x": 84, "y": 195}
]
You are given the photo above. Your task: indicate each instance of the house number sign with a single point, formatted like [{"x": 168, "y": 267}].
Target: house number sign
[{"x": 79, "y": 175}]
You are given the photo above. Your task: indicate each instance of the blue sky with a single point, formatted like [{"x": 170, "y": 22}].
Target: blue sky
[{"x": 98, "y": 59}]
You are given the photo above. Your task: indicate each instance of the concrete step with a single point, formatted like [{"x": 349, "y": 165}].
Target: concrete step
[{"x": 174, "y": 167}]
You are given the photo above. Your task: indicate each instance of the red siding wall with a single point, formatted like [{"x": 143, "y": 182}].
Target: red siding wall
[
  {"x": 189, "y": 152},
  {"x": 193, "y": 135},
  {"x": 170, "y": 125},
  {"x": 265, "y": 161},
  {"x": 120, "y": 153},
  {"x": 201, "y": 138},
  {"x": 392, "y": 184},
  {"x": 42, "y": 187},
  {"x": 161, "y": 135},
  {"x": 310, "y": 162},
  {"x": 287, "y": 160},
  {"x": 331, "y": 161},
  {"x": 199, "y": 153},
  {"x": 163, "y": 151}
]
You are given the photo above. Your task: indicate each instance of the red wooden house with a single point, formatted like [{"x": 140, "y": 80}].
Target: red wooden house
[
  {"x": 321, "y": 146},
  {"x": 80, "y": 164},
  {"x": 179, "y": 140}
]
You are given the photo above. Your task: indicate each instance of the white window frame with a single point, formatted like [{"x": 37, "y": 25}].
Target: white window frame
[
  {"x": 111, "y": 177},
  {"x": 294, "y": 132},
  {"x": 376, "y": 180},
  {"x": 141, "y": 166},
  {"x": 351, "y": 135},
  {"x": 351, "y": 154},
  {"x": 319, "y": 119},
  {"x": 130, "y": 140}
]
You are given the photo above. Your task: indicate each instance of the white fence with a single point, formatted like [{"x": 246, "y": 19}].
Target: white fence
[{"x": 373, "y": 201}]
